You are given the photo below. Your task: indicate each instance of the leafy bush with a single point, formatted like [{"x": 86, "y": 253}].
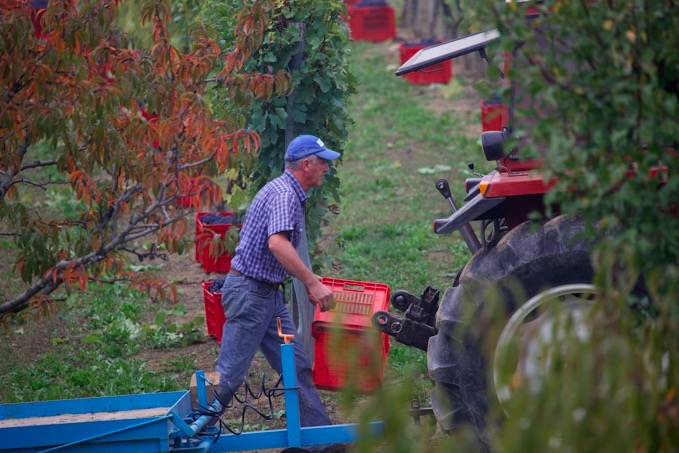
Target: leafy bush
[
  {"x": 308, "y": 40},
  {"x": 598, "y": 93}
]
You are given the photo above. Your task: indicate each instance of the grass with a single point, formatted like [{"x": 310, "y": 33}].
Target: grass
[
  {"x": 398, "y": 148},
  {"x": 94, "y": 336},
  {"x": 403, "y": 139}
]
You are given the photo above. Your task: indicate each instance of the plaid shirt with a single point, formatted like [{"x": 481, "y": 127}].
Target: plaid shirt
[{"x": 277, "y": 207}]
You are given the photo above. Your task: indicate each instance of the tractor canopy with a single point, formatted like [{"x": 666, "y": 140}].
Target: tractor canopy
[{"x": 448, "y": 50}]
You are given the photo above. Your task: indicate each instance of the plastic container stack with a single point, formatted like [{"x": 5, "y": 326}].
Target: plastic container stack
[
  {"x": 214, "y": 312},
  {"x": 349, "y": 351},
  {"x": 371, "y": 21},
  {"x": 438, "y": 73},
  {"x": 208, "y": 226}
]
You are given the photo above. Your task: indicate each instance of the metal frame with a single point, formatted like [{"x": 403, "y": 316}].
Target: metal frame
[{"x": 176, "y": 431}]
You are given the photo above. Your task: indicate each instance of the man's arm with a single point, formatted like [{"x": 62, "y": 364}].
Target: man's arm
[{"x": 285, "y": 253}]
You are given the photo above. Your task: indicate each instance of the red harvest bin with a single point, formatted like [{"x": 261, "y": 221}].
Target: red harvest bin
[
  {"x": 349, "y": 351},
  {"x": 371, "y": 23},
  {"x": 494, "y": 115},
  {"x": 211, "y": 259},
  {"x": 214, "y": 312},
  {"x": 437, "y": 73}
]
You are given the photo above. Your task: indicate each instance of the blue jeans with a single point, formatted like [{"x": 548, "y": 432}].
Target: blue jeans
[{"x": 251, "y": 308}]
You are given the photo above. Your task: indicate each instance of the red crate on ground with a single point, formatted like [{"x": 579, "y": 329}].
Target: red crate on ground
[
  {"x": 214, "y": 312},
  {"x": 437, "y": 73},
  {"x": 212, "y": 260},
  {"x": 494, "y": 115},
  {"x": 349, "y": 351},
  {"x": 371, "y": 23}
]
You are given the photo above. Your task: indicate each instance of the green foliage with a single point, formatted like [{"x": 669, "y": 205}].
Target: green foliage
[
  {"x": 94, "y": 350},
  {"x": 607, "y": 99},
  {"x": 597, "y": 90},
  {"x": 120, "y": 329},
  {"x": 184, "y": 13},
  {"x": 309, "y": 40},
  {"x": 608, "y": 391}
]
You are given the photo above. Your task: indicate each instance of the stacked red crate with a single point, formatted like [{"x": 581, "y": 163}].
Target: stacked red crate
[
  {"x": 349, "y": 351},
  {"x": 437, "y": 73},
  {"x": 371, "y": 23},
  {"x": 207, "y": 235},
  {"x": 214, "y": 312}
]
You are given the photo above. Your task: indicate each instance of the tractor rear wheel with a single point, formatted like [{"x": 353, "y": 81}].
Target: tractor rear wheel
[{"x": 531, "y": 260}]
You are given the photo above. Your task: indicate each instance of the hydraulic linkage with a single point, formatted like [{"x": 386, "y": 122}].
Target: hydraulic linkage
[{"x": 417, "y": 324}]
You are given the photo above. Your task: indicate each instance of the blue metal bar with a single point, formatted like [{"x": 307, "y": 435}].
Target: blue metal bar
[
  {"x": 200, "y": 388},
  {"x": 294, "y": 435},
  {"x": 182, "y": 425},
  {"x": 291, "y": 400},
  {"x": 187, "y": 435},
  {"x": 194, "y": 447},
  {"x": 102, "y": 435},
  {"x": 88, "y": 405},
  {"x": 339, "y": 434},
  {"x": 312, "y": 435},
  {"x": 203, "y": 420},
  {"x": 198, "y": 424}
]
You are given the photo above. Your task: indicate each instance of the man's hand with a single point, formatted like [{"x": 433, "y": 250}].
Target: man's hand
[
  {"x": 285, "y": 253},
  {"x": 321, "y": 295}
]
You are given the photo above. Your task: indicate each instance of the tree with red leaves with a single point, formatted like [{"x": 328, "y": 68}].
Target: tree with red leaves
[{"x": 123, "y": 132}]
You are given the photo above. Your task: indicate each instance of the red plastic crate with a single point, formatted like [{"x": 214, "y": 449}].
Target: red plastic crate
[
  {"x": 205, "y": 233},
  {"x": 348, "y": 357},
  {"x": 349, "y": 351},
  {"x": 214, "y": 312},
  {"x": 437, "y": 73},
  {"x": 493, "y": 115},
  {"x": 371, "y": 23}
]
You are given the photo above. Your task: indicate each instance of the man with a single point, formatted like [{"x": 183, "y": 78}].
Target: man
[{"x": 264, "y": 257}]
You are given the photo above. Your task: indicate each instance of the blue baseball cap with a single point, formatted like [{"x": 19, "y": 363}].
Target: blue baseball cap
[{"x": 306, "y": 145}]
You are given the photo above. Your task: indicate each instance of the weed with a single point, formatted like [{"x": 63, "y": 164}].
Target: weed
[
  {"x": 181, "y": 363},
  {"x": 99, "y": 361}
]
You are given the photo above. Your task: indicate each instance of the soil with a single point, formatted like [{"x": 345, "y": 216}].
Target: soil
[{"x": 187, "y": 275}]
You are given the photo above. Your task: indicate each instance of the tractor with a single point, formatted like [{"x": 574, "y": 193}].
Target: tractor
[{"x": 538, "y": 271}]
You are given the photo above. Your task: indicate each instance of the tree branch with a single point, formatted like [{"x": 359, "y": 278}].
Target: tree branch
[
  {"x": 7, "y": 179},
  {"x": 45, "y": 285},
  {"x": 146, "y": 254},
  {"x": 38, "y": 163}
]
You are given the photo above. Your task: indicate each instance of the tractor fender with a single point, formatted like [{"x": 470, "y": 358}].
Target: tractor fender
[{"x": 467, "y": 213}]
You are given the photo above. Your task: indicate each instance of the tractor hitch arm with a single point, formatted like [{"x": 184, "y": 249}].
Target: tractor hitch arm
[{"x": 417, "y": 324}]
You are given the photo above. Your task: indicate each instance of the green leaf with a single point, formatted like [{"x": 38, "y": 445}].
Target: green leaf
[{"x": 160, "y": 318}]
